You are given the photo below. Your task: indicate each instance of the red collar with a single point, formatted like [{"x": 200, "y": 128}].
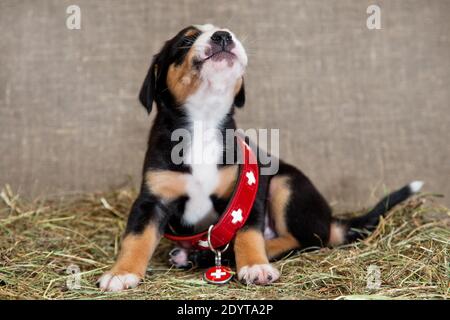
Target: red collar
[{"x": 238, "y": 208}]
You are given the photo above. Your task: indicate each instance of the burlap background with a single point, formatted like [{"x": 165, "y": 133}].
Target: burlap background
[{"x": 359, "y": 110}]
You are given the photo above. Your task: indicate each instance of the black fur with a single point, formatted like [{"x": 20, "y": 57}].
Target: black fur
[
  {"x": 308, "y": 214},
  {"x": 239, "y": 100},
  {"x": 359, "y": 227},
  {"x": 154, "y": 88}
]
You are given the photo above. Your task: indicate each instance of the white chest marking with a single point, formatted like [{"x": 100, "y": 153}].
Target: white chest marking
[
  {"x": 200, "y": 185},
  {"x": 203, "y": 155},
  {"x": 206, "y": 109}
]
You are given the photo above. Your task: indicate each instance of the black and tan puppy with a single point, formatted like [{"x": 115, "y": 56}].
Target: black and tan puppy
[{"x": 197, "y": 77}]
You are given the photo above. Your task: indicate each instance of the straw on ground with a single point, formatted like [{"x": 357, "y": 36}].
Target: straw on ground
[{"x": 41, "y": 239}]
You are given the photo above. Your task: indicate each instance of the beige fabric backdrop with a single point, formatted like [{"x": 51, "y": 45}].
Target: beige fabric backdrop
[{"x": 359, "y": 110}]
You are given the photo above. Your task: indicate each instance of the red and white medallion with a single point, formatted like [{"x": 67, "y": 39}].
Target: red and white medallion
[{"x": 218, "y": 275}]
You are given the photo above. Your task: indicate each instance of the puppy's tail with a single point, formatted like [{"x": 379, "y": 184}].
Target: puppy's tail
[{"x": 349, "y": 230}]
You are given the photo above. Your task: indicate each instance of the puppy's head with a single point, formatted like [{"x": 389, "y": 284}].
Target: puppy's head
[{"x": 200, "y": 58}]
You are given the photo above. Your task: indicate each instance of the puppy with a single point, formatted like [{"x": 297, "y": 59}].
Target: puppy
[{"x": 197, "y": 78}]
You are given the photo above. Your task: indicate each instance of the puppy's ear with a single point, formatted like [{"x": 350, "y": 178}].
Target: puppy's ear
[
  {"x": 148, "y": 90},
  {"x": 239, "y": 98}
]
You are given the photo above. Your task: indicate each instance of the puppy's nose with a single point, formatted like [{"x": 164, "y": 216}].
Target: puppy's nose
[{"x": 222, "y": 38}]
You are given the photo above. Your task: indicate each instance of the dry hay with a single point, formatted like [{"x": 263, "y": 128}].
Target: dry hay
[{"x": 40, "y": 239}]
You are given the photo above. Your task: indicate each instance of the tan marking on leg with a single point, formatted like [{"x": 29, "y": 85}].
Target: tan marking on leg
[
  {"x": 277, "y": 246},
  {"x": 227, "y": 181},
  {"x": 136, "y": 251},
  {"x": 183, "y": 80},
  {"x": 337, "y": 234},
  {"x": 279, "y": 195},
  {"x": 238, "y": 86},
  {"x": 249, "y": 248},
  {"x": 166, "y": 184}
]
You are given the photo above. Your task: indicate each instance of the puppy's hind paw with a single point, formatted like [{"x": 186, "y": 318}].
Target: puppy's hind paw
[{"x": 179, "y": 258}]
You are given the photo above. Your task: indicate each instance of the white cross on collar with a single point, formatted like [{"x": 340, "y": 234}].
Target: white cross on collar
[
  {"x": 237, "y": 216},
  {"x": 250, "y": 178}
]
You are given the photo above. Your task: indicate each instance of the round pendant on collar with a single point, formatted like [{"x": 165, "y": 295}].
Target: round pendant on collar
[{"x": 218, "y": 275}]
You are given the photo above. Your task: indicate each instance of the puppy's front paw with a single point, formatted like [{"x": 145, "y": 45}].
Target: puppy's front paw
[
  {"x": 258, "y": 274},
  {"x": 115, "y": 282}
]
